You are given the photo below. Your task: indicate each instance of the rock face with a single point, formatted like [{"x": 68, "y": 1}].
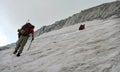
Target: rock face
[
  {"x": 99, "y": 12},
  {"x": 57, "y": 25}
]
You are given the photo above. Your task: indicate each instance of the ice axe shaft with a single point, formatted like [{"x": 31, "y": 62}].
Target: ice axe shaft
[{"x": 29, "y": 45}]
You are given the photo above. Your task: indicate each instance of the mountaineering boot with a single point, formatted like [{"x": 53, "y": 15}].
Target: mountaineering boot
[
  {"x": 18, "y": 55},
  {"x": 15, "y": 52}
]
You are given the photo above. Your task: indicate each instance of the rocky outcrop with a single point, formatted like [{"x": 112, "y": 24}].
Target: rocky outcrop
[
  {"x": 99, "y": 12},
  {"x": 57, "y": 25}
]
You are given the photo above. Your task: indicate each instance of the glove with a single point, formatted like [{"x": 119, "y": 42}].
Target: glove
[
  {"x": 32, "y": 38},
  {"x": 18, "y": 30}
]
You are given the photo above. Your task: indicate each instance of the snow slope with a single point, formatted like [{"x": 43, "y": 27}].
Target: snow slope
[{"x": 95, "y": 49}]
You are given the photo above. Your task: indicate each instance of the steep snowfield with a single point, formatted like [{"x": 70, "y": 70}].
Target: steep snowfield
[{"x": 95, "y": 49}]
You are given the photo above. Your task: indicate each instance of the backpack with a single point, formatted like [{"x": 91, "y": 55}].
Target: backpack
[
  {"x": 25, "y": 30},
  {"x": 82, "y": 27}
]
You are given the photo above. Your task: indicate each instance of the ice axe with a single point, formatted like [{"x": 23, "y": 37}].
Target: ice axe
[
  {"x": 28, "y": 20},
  {"x": 30, "y": 45}
]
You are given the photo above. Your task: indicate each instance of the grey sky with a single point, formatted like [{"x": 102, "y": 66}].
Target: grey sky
[{"x": 14, "y": 13}]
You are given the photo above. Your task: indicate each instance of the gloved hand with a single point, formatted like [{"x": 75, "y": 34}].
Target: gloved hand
[
  {"x": 18, "y": 30},
  {"x": 32, "y": 38}
]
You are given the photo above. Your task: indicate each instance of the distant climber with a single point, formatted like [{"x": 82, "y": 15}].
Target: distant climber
[
  {"x": 82, "y": 26},
  {"x": 23, "y": 34}
]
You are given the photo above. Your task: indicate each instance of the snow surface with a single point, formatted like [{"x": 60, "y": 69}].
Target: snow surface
[{"x": 95, "y": 49}]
